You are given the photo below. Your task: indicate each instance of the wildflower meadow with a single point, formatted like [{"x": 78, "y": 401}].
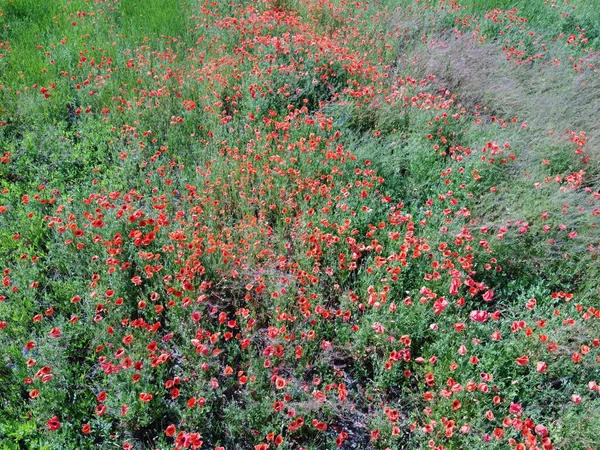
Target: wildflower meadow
[{"x": 300, "y": 224}]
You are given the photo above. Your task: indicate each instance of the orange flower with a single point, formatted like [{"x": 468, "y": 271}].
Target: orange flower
[{"x": 522, "y": 360}]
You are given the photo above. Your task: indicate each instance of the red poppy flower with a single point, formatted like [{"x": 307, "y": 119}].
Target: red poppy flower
[
  {"x": 522, "y": 360},
  {"x": 55, "y": 332},
  {"x": 280, "y": 383},
  {"x": 53, "y": 424},
  {"x": 145, "y": 397},
  {"x": 170, "y": 430}
]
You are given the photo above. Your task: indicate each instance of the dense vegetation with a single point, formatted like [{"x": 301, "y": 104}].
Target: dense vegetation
[{"x": 299, "y": 224}]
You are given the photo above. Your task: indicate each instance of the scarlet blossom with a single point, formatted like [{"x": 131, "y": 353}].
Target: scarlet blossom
[
  {"x": 145, "y": 397},
  {"x": 541, "y": 366},
  {"x": 100, "y": 409},
  {"x": 170, "y": 430},
  {"x": 46, "y": 378},
  {"x": 378, "y": 328},
  {"x": 53, "y": 424},
  {"x": 55, "y": 332},
  {"x": 454, "y": 286},
  {"x": 478, "y": 316},
  {"x": 85, "y": 428},
  {"x": 522, "y": 360}
]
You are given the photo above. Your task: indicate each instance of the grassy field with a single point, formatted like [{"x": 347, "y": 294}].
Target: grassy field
[{"x": 299, "y": 224}]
